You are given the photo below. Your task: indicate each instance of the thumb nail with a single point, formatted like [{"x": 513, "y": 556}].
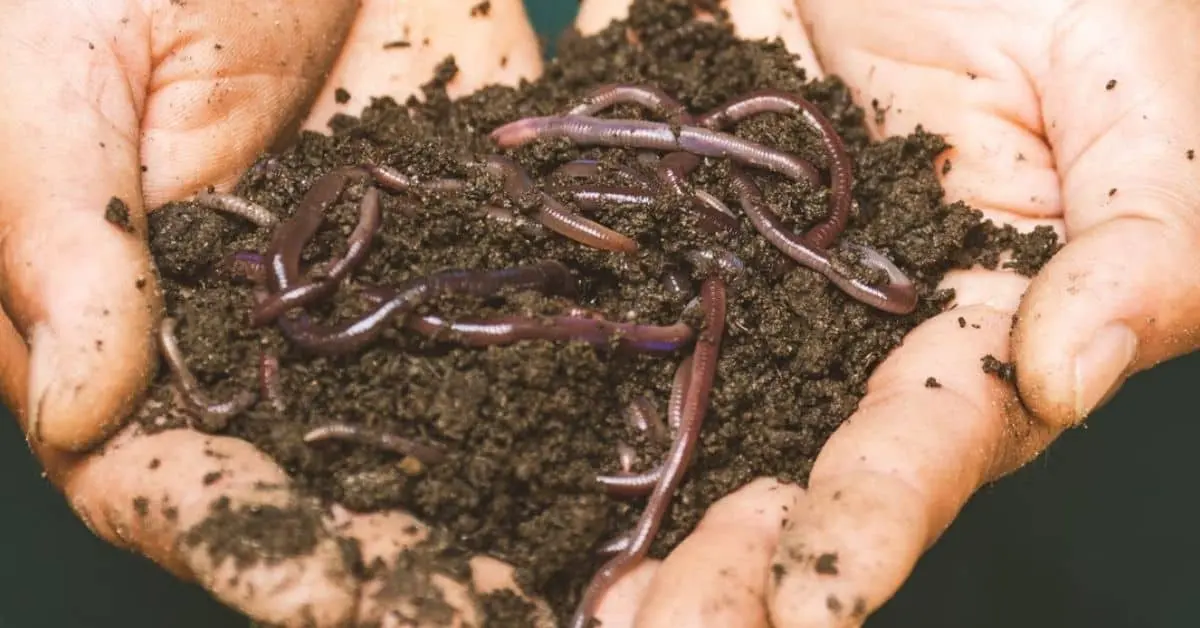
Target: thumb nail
[
  {"x": 42, "y": 370},
  {"x": 1101, "y": 365}
]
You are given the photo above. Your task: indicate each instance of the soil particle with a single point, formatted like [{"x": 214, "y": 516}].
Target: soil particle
[
  {"x": 211, "y": 478},
  {"x": 117, "y": 213},
  {"x": 528, "y": 426},
  {"x": 826, "y": 564},
  {"x": 1006, "y": 371},
  {"x": 506, "y": 608}
]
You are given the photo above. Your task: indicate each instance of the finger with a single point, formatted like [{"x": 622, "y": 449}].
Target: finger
[
  {"x": 217, "y": 510},
  {"x": 223, "y": 81},
  {"x": 620, "y": 604},
  {"x": 92, "y": 97},
  {"x": 1124, "y": 294},
  {"x": 752, "y": 19},
  {"x": 14, "y": 363},
  {"x": 69, "y": 109},
  {"x": 931, "y": 428},
  {"x": 395, "y": 46},
  {"x": 490, "y": 576},
  {"x": 960, "y": 70},
  {"x": 717, "y": 575},
  {"x": 167, "y": 496}
]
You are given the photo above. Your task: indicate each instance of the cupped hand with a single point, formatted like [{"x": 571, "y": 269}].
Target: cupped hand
[
  {"x": 1076, "y": 114},
  {"x": 114, "y": 107},
  {"x": 1061, "y": 113}
]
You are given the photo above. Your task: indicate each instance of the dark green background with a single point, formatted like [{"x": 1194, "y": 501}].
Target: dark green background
[{"x": 1097, "y": 532}]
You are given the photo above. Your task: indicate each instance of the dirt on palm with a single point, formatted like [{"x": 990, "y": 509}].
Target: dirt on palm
[{"x": 528, "y": 426}]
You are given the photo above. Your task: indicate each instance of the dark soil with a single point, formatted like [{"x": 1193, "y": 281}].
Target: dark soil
[{"x": 529, "y": 426}]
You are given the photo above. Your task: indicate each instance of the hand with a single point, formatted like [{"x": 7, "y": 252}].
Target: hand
[
  {"x": 151, "y": 101},
  {"x": 1078, "y": 115}
]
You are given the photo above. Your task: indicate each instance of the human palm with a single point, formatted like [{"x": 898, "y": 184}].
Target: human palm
[{"x": 1061, "y": 113}]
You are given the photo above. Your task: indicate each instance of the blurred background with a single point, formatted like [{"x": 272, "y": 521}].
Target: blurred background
[{"x": 1098, "y": 532}]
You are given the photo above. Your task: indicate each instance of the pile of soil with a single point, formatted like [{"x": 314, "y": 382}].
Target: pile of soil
[{"x": 529, "y": 426}]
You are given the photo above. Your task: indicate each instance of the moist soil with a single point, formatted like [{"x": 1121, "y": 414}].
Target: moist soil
[{"x": 528, "y": 426}]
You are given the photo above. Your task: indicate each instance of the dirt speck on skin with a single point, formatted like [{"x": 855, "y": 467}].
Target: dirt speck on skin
[
  {"x": 506, "y": 608},
  {"x": 826, "y": 564},
  {"x": 528, "y": 426},
  {"x": 1006, "y": 371},
  {"x": 117, "y": 213},
  {"x": 250, "y": 535}
]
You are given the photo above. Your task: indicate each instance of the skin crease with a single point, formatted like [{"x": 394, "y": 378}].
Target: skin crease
[{"x": 1021, "y": 88}]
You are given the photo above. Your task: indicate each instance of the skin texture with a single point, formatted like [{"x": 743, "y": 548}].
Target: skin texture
[{"x": 1051, "y": 106}]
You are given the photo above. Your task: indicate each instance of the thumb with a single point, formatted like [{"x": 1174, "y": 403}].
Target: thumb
[
  {"x": 1124, "y": 293},
  {"x": 95, "y": 97}
]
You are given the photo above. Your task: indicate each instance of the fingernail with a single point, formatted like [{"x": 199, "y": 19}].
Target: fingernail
[
  {"x": 42, "y": 342},
  {"x": 1101, "y": 365}
]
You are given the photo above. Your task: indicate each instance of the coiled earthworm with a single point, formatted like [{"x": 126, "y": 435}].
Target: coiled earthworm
[
  {"x": 695, "y": 405},
  {"x": 547, "y": 276},
  {"x": 898, "y": 296},
  {"x": 587, "y": 130},
  {"x": 427, "y": 454},
  {"x": 823, "y": 234}
]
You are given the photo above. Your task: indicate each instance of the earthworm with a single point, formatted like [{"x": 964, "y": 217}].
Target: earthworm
[
  {"x": 397, "y": 181},
  {"x": 585, "y": 168},
  {"x": 553, "y": 214},
  {"x": 643, "y": 417},
  {"x": 672, "y": 169},
  {"x": 546, "y": 276},
  {"x": 717, "y": 205},
  {"x": 427, "y": 454},
  {"x": 616, "y": 545},
  {"x": 302, "y": 292},
  {"x": 238, "y": 206},
  {"x": 626, "y": 457},
  {"x": 703, "y": 371},
  {"x": 268, "y": 381},
  {"x": 186, "y": 382},
  {"x": 631, "y": 485},
  {"x": 677, "y": 284},
  {"x": 245, "y": 265},
  {"x": 647, "y": 96},
  {"x": 283, "y": 252},
  {"x": 591, "y": 197},
  {"x": 898, "y": 296},
  {"x": 557, "y": 218},
  {"x": 822, "y": 235},
  {"x": 507, "y": 216},
  {"x": 715, "y": 217},
  {"x": 716, "y": 260},
  {"x": 654, "y": 135},
  {"x": 597, "y": 332}
]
